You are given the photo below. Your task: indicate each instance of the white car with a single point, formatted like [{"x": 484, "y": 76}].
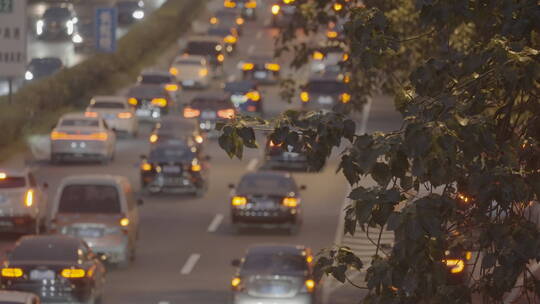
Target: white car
[
  {"x": 17, "y": 297},
  {"x": 23, "y": 203},
  {"x": 79, "y": 136},
  {"x": 191, "y": 71},
  {"x": 116, "y": 111},
  {"x": 326, "y": 58}
]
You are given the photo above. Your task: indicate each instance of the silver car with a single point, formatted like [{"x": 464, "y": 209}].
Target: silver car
[
  {"x": 102, "y": 210},
  {"x": 274, "y": 274},
  {"x": 23, "y": 203}
]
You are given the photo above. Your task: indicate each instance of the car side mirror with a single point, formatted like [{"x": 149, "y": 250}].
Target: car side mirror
[
  {"x": 140, "y": 202},
  {"x": 303, "y": 187},
  {"x": 231, "y": 186},
  {"x": 235, "y": 263}
]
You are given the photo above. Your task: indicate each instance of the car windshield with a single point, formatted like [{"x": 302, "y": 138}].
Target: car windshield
[
  {"x": 275, "y": 262},
  {"x": 108, "y": 105},
  {"x": 241, "y": 86},
  {"x": 211, "y": 103},
  {"x": 154, "y": 79},
  {"x": 326, "y": 87},
  {"x": 86, "y": 29},
  {"x": 79, "y": 123},
  {"x": 56, "y": 13},
  {"x": 222, "y": 32},
  {"x": 45, "y": 66},
  {"x": 102, "y": 199},
  {"x": 146, "y": 92},
  {"x": 177, "y": 152},
  {"x": 12, "y": 182},
  {"x": 41, "y": 250},
  {"x": 201, "y": 48},
  {"x": 267, "y": 183},
  {"x": 127, "y": 5},
  {"x": 188, "y": 62}
]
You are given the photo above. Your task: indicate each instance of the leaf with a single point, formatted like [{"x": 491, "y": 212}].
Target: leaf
[
  {"x": 338, "y": 272},
  {"x": 488, "y": 261},
  {"x": 349, "y": 129},
  {"x": 350, "y": 170},
  {"x": 381, "y": 174},
  {"x": 394, "y": 220}
]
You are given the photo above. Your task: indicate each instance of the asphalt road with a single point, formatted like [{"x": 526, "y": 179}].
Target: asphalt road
[{"x": 177, "y": 231}]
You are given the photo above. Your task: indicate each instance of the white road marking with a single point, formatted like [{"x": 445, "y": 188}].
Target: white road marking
[
  {"x": 251, "y": 49},
  {"x": 252, "y": 164},
  {"x": 365, "y": 116},
  {"x": 259, "y": 35},
  {"x": 190, "y": 263},
  {"x": 215, "y": 223},
  {"x": 163, "y": 302},
  {"x": 231, "y": 78}
]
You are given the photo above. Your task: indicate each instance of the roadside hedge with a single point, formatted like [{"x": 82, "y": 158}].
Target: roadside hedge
[{"x": 101, "y": 73}]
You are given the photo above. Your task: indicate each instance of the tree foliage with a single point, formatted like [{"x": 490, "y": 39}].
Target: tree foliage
[{"x": 465, "y": 75}]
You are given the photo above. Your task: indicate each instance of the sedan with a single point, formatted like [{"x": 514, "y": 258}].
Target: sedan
[
  {"x": 78, "y": 136},
  {"x": 324, "y": 94},
  {"x": 57, "y": 268},
  {"x": 211, "y": 48},
  {"x": 42, "y": 67},
  {"x": 159, "y": 77},
  {"x": 209, "y": 109},
  {"x": 151, "y": 101},
  {"x": 262, "y": 69},
  {"x": 175, "y": 167},
  {"x": 247, "y": 7},
  {"x": 116, "y": 111},
  {"x": 274, "y": 273},
  {"x": 171, "y": 129},
  {"x": 229, "y": 36},
  {"x": 130, "y": 11},
  {"x": 245, "y": 96},
  {"x": 191, "y": 71},
  {"x": 227, "y": 18},
  {"x": 267, "y": 199}
]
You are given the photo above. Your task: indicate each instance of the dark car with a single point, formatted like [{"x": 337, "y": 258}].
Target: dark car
[
  {"x": 56, "y": 22},
  {"x": 229, "y": 36},
  {"x": 283, "y": 12},
  {"x": 245, "y": 96},
  {"x": 84, "y": 36},
  {"x": 130, "y": 11},
  {"x": 278, "y": 156},
  {"x": 173, "y": 128},
  {"x": 267, "y": 199},
  {"x": 227, "y": 18},
  {"x": 175, "y": 166},
  {"x": 159, "y": 77},
  {"x": 56, "y": 268},
  {"x": 274, "y": 274},
  {"x": 324, "y": 93},
  {"x": 208, "y": 47},
  {"x": 247, "y": 8},
  {"x": 209, "y": 109},
  {"x": 262, "y": 69},
  {"x": 152, "y": 101},
  {"x": 42, "y": 67}
]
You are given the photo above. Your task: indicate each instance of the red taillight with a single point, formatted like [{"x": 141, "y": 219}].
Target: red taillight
[
  {"x": 226, "y": 113},
  {"x": 191, "y": 113},
  {"x": 273, "y": 144}
]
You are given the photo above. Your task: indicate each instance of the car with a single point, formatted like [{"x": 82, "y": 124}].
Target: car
[
  {"x": 103, "y": 211},
  {"x": 274, "y": 273},
  {"x": 23, "y": 202},
  {"x": 175, "y": 167},
  {"x": 277, "y": 156},
  {"x": 247, "y": 7},
  {"x": 245, "y": 96},
  {"x": 116, "y": 111},
  {"x": 83, "y": 37},
  {"x": 175, "y": 128},
  {"x": 159, "y": 77},
  {"x": 229, "y": 36},
  {"x": 321, "y": 93},
  {"x": 191, "y": 71},
  {"x": 283, "y": 12},
  {"x": 57, "y": 268},
  {"x": 78, "y": 136},
  {"x": 151, "y": 101},
  {"x": 209, "y": 109},
  {"x": 260, "y": 68},
  {"x": 56, "y": 22},
  {"x": 130, "y": 11},
  {"x": 43, "y": 67},
  {"x": 227, "y": 18},
  {"x": 326, "y": 57},
  {"x": 17, "y": 297},
  {"x": 267, "y": 199},
  {"x": 336, "y": 30},
  {"x": 211, "y": 48}
]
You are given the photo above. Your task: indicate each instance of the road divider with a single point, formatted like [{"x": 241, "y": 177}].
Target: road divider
[{"x": 190, "y": 264}]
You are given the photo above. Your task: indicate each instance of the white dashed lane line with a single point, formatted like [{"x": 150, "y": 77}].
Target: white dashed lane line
[
  {"x": 252, "y": 165},
  {"x": 215, "y": 223},
  {"x": 251, "y": 49},
  {"x": 190, "y": 264}
]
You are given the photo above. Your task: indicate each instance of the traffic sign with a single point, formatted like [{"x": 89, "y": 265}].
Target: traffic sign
[
  {"x": 12, "y": 38},
  {"x": 106, "y": 19}
]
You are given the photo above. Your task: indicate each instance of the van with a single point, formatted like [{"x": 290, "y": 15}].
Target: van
[{"x": 103, "y": 211}]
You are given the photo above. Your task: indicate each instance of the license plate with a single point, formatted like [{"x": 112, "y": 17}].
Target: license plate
[
  {"x": 188, "y": 83},
  {"x": 265, "y": 205},
  {"x": 109, "y": 116},
  {"x": 90, "y": 233},
  {"x": 260, "y": 75},
  {"x": 290, "y": 155},
  {"x": 208, "y": 115},
  {"x": 42, "y": 275},
  {"x": 325, "y": 100},
  {"x": 171, "y": 169}
]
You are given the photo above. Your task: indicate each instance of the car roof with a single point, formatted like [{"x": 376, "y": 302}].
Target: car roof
[
  {"x": 204, "y": 39},
  {"x": 59, "y": 239},
  {"x": 266, "y": 173},
  {"x": 118, "y": 99},
  {"x": 76, "y": 115},
  {"x": 189, "y": 57},
  {"x": 14, "y": 172},
  {"x": 15, "y": 296},
  {"x": 155, "y": 72},
  {"x": 46, "y": 60},
  {"x": 211, "y": 96},
  {"x": 100, "y": 179},
  {"x": 240, "y": 85},
  {"x": 276, "y": 249}
]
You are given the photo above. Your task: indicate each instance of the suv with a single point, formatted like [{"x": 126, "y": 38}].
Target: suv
[
  {"x": 23, "y": 204},
  {"x": 274, "y": 274},
  {"x": 57, "y": 21},
  {"x": 102, "y": 210},
  {"x": 209, "y": 47}
]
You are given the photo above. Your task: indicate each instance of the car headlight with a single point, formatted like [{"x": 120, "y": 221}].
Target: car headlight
[
  {"x": 74, "y": 20},
  {"x": 28, "y": 75},
  {"x": 138, "y": 14},
  {"x": 39, "y": 27},
  {"x": 77, "y": 38},
  {"x": 69, "y": 27}
]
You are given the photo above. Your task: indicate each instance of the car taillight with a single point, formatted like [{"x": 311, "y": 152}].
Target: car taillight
[
  {"x": 239, "y": 201},
  {"x": 153, "y": 138},
  {"x": 273, "y": 144},
  {"x": 304, "y": 96},
  {"x": 310, "y": 285},
  {"x": 318, "y": 55},
  {"x": 338, "y": 7},
  {"x": 226, "y": 113},
  {"x": 290, "y": 202},
  {"x": 220, "y": 57},
  {"x": 248, "y": 66},
  {"x": 146, "y": 167},
  {"x": 203, "y": 72},
  {"x": 171, "y": 87},
  {"x": 345, "y": 97},
  {"x": 133, "y": 101},
  {"x": 275, "y": 9},
  {"x": 199, "y": 139},
  {"x": 90, "y": 114},
  {"x": 253, "y": 95},
  {"x": 196, "y": 167},
  {"x": 73, "y": 273},
  {"x": 455, "y": 265},
  {"x": 160, "y": 102},
  {"x": 274, "y": 67},
  {"x": 239, "y": 20},
  {"x": 173, "y": 71},
  {"x": 236, "y": 283},
  {"x": 29, "y": 198},
  {"x": 229, "y": 4},
  {"x": 124, "y": 115},
  {"x": 12, "y": 272},
  {"x": 124, "y": 222},
  {"x": 102, "y": 136},
  {"x": 214, "y": 20},
  {"x": 58, "y": 135},
  {"x": 251, "y": 4},
  {"x": 191, "y": 113}
]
